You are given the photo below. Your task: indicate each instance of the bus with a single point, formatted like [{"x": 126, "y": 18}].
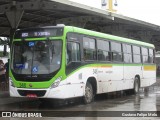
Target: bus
[{"x": 63, "y": 62}]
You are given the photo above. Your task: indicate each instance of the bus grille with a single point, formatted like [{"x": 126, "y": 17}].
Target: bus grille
[{"x": 39, "y": 93}]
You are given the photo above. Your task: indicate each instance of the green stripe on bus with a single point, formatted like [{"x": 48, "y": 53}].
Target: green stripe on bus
[{"x": 111, "y": 64}]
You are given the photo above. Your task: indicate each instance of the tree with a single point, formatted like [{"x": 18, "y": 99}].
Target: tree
[{"x": 4, "y": 42}]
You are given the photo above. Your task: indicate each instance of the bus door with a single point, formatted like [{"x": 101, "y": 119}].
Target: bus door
[
  {"x": 128, "y": 68},
  {"x": 137, "y": 66},
  {"x": 103, "y": 66},
  {"x": 116, "y": 71}
]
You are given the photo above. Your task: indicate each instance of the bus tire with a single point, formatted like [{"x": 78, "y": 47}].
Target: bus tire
[
  {"x": 136, "y": 85},
  {"x": 89, "y": 96}
]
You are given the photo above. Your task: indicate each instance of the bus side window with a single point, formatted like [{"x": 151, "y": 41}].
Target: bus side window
[
  {"x": 73, "y": 52},
  {"x": 136, "y": 54},
  {"x": 103, "y": 50},
  {"x": 151, "y": 56},
  {"x": 116, "y": 50},
  {"x": 144, "y": 54},
  {"x": 127, "y": 53},
  {"x": 89, "y": 48}
]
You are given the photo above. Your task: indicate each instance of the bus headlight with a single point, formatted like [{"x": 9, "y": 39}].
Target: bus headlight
[
  {"x": 56, "y": 82},
  {"x": 11, "y": 82}
]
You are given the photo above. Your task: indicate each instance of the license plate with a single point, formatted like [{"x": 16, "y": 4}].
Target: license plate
[{"x": 31, "y": 95}]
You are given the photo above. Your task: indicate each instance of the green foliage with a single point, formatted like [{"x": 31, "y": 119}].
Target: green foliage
[
  {"x": 1, "y": 54},
  {"x": 3, "y": 42}
]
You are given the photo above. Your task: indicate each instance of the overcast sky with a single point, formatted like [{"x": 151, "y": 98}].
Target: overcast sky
[{"x": 146, "y": 10}]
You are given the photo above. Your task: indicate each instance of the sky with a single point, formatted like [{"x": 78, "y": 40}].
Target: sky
[{"x": 145, "y": 10}]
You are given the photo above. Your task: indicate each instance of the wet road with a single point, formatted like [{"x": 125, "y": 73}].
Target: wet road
[{"x": 145, "y": 101}]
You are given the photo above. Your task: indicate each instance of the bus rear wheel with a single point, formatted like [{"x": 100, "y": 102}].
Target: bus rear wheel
[
  {"x": 136, "y": 85},
  {"x": 89, "y": 96}
]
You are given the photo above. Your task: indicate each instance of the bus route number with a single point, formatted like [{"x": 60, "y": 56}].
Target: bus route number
[{"x": 22, "y": 85}]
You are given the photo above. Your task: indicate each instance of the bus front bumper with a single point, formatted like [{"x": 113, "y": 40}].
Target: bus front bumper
[{"x": 60, "y": 92}]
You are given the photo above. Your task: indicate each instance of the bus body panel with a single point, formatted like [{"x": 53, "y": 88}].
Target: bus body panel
[
  {"x": 74, "y": 85},
  {"x": 130, "y": 72},
  {"x": 63, "y": 91},
  {"x": 149, "y": 75}
]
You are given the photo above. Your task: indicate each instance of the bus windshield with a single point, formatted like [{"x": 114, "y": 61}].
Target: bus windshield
[{"x": 36, "y": 57}]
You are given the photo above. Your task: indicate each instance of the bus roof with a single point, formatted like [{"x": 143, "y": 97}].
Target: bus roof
[{"x": 108, "y": 36}]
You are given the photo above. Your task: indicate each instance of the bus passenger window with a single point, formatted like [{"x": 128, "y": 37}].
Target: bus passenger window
[
  {"x": 151, "y": 56},
  {"x": 116, "y": 51},
  {"x": 103, "y": 50},
  {"x": 89, "y": 48},
  {"x": 127, "y": 53},
  {"x": 144, "y": 55},
  {"x": 73, "y": 52},
  {"x": 136, "y": 54}
]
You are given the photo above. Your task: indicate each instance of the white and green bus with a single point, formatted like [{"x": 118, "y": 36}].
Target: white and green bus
[{"x": 64, "y": 62}]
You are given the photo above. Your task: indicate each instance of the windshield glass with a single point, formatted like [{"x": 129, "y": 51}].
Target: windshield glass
[{"x": 36, "y": 57}]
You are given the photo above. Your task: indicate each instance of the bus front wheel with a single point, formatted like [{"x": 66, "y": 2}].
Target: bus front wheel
[
  {"x": 88, "y": 97},
  {"x": 136, "y": 85}
]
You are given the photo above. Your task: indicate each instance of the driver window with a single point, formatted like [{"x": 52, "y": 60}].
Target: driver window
[{"x": 73, "y": 52}]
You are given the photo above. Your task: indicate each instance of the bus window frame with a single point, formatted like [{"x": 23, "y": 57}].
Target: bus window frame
[
  {"x": 131, "y": 53},
  {"x": 109, "y": 50},
  {"x": 79, "y": 52},
  {"x": 122, "y": 61},
  {"x": 137, "y": 54},
  {"x": 145, "y": 55},
  {"x": 90, "y": 37}
]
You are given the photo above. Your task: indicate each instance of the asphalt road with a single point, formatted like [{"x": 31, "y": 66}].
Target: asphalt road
[{"x": 107, "y": 106}]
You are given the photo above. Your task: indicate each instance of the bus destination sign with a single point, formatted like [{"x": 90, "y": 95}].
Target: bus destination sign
[
  {"x": 41, "y": 32},
  {"x": 36, "y": 34}
]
